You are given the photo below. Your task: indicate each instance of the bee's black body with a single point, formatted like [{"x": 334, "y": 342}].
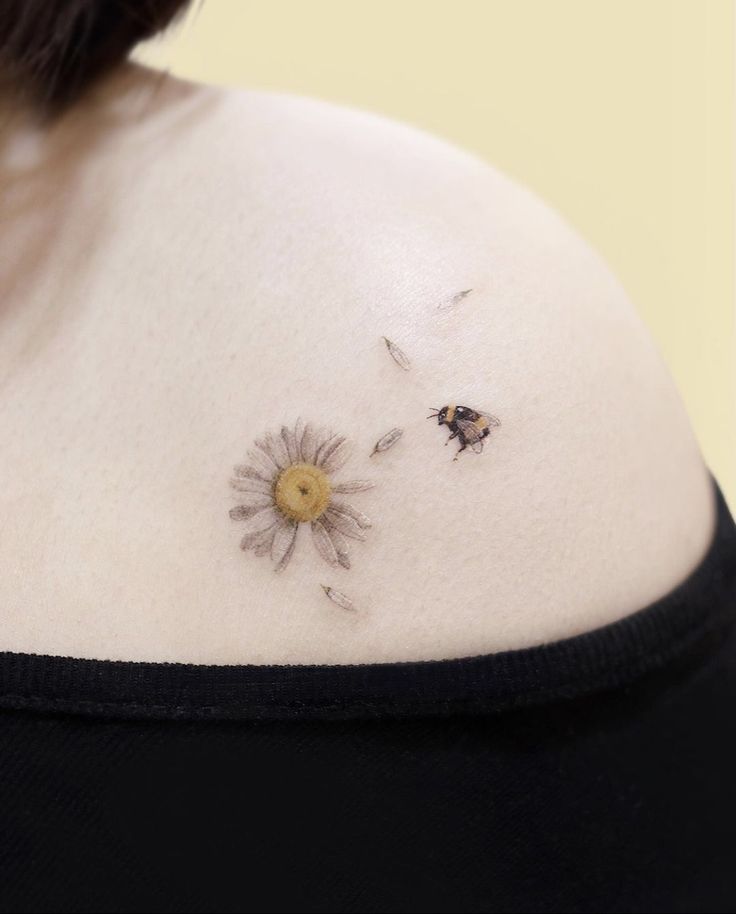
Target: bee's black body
[{"x": 469, "y": 426}]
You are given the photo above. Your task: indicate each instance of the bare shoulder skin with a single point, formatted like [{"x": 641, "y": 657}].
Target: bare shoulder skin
[{"x": 186, "y": 270}]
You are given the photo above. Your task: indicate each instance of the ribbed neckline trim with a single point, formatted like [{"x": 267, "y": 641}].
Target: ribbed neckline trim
[{"x": 607, "y": 657}]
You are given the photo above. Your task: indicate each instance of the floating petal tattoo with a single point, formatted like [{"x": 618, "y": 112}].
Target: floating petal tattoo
[
  {"x": 288, "y": 482},
  {"x": 398, "y": 355},
  {"x": 337, "y": 597},
  {"x": 453, "y": 300},
  {"x": 387, "y": 441}
]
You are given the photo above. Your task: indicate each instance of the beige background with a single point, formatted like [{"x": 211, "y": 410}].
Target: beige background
[{"x": 618, "y": 112}]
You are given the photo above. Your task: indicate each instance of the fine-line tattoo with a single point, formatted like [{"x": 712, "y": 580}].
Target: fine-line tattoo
[
  {"x": 453, "y": 300},
  {"x": 386, "y": 441},
  {"x": 398, "y": 355},
  {"x": 337, "y": 597},
  {"x": 469, "y": 426},
  {"x": 288, "y": 482}
]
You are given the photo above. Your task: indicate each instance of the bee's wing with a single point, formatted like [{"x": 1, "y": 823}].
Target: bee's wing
[
  {"x": 492, "y": 420},
  {"x": 472, "y": 434}
]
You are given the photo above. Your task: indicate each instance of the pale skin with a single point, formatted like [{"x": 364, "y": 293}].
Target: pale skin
[{"x": 185, "y": 268}]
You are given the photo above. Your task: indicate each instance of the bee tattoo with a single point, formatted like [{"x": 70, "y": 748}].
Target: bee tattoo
[{"x": 469, "y": 426}]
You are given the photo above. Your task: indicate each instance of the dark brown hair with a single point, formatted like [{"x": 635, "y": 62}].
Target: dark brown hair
[{"x": 51, "y": 51}]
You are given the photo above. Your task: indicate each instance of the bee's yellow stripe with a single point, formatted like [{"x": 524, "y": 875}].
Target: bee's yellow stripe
[
  {"x": 450, "y": 414},
  {"x": 481, "y": 422}
]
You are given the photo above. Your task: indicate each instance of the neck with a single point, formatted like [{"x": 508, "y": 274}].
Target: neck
[
  {"x": 52, "y": 170},
  {"x": 119, "y": 93}
]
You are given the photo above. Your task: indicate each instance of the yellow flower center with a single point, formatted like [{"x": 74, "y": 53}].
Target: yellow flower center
[{"x": 302, "y": 492}]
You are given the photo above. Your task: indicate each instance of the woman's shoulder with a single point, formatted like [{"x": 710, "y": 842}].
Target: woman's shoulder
[{"x": 267, "y": 276}]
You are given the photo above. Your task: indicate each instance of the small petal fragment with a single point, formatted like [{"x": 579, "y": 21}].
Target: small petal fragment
[
  {"x": 453, "y": 300},
  {"x": 388, "y": 440},
  {"x": 337, "y": 597},
  {"x": 398, "y": 355}
]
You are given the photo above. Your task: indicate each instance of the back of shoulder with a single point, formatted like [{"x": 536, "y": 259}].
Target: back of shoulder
[{"x": 316, "y": 283}]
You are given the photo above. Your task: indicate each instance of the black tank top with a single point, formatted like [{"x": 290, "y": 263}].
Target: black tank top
[{"x": 591, "y": 774}]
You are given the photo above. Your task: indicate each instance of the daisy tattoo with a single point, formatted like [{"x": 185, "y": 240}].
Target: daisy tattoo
[{"x": 288, "y": 482}]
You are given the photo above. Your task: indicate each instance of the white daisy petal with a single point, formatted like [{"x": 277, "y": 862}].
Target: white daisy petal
[
  {"x": 262, "y": 462},
  {"x": 298, "y": 432},
  {"x": 254, "y": 486},
  {"x": 248, "y": 541},
  {"x": 333, "y": 461},
  {"x": 355, "y": 485},
  {"x": 262, "y": 520},
  {"x": 278, "y": 450},
  {"x": 338, "y": 540},
  {"x": 344, "y": 524},
  {"x": 283, "y": 544},
  {"x": 342, "y": 508},
  {"x": 287, "y": 558},
  {"x": 263, "y": 544},
  {"x": 327, "y": 447},
  {"x": 264, "y": 447},
  {"x": 243, "y": 512},
  {"x": 323, "y": 543},
  {"x": 254, "y": 540},
  {"x": 308, "y": 444},
  {"x": 340, "y": 544},
  {"x": 246, "y": 471},
  {"x": 326, "y": 441},
  {"x": 289, "y": 439}
]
